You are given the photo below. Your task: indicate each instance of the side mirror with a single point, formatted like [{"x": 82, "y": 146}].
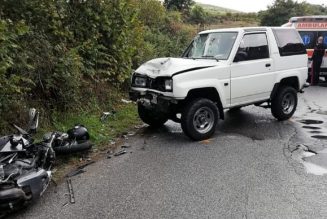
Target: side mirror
[
  {"x": 240, "y": 56},
  {"x": 33, "y": 120}
]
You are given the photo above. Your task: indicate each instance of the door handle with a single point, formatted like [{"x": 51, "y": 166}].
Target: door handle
[
  {"x": 225, "y": 84},
  {"x": 268, "y": 65}
]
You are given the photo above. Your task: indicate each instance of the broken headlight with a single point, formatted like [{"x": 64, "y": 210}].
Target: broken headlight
[
  {"x": 140, "y": 81},
  {"x": 169, "y": 84}
]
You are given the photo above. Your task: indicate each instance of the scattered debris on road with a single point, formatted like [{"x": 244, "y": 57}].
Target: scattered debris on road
[
  {"x": 75, "y": 172},
  {"x": 126, "y": 146},
  {"x": 208, "y": 141},
  {"x": 119, "y": 153},
  {"x": 71, "y": 191}
]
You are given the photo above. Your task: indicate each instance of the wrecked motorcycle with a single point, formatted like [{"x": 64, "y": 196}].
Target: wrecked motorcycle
[
  {"x": 25, "y": 167},
  {"x": 74, "y": 140}
]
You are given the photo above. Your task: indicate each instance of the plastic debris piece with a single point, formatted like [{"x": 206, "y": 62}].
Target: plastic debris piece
[{"x": 126, "y": 101}]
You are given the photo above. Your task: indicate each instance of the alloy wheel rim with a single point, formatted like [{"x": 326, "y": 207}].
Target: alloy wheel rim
[
  {"x": 288, "y": 103},
  {"x": 203, "y": 120}
]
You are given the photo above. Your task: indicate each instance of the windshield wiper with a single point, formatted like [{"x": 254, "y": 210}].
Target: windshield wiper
[{"x": 212, "y": 57}]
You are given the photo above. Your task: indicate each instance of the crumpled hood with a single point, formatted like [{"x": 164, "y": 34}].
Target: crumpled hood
[{"x": 170, "y": 66}]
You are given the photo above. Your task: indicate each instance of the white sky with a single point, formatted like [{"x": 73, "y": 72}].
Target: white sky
[{"x": 250, "y": 5}]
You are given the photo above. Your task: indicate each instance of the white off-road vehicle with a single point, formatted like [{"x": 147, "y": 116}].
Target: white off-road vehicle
[{"x": 222, "y": 69}]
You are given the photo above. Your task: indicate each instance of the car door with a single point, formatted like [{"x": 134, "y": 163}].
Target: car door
[{"x": 251, "y": 71}]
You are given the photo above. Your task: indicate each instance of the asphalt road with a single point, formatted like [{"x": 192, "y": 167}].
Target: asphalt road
[{"x": 251, "y": 168}]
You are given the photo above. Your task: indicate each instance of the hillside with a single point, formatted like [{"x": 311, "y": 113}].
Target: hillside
[{"x": 213, "y": 9}]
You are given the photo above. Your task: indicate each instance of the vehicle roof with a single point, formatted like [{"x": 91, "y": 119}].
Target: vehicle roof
[
  {"x": 243, "y": 29},
  {"x": 303, "y": 18}
]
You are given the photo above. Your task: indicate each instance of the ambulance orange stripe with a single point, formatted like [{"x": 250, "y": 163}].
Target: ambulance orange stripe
[{"x": 310, "y": 53}]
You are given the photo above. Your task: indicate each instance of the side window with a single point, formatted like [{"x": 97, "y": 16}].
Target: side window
[
  {"x": 289, "y": 42},
  {"x": 324, "y": 35},
  {"x": 309, "y": 38},
  {"x": 252, "y": 47}
]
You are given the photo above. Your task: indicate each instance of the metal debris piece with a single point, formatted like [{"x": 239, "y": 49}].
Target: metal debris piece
[
  {"x": 121, "y": 152},
  {"x": 131, "y": 133},
  {"x": 71, "y": 191},
  {"x": 112, "y": 142}
]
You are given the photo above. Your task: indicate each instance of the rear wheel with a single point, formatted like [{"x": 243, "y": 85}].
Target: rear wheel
[
  {"x": 284, "y": 104},
  {"x": 199, "y": 119},
  {"x": 153, "y": 118}
]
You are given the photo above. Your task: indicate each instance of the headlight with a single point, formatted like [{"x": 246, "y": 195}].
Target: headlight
[
  {"x": 140, "y": 82},
  {"x": 168, "y": 84}
]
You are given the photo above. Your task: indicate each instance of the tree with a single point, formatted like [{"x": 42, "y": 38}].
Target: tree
[
  {"x": 180, "y": 5},
  {"x": 198, "y": 15},
  {"x": 281, "y": 11}
]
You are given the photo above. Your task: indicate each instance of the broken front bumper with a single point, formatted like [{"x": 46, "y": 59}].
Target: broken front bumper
[{"x": 151, "y": 98}]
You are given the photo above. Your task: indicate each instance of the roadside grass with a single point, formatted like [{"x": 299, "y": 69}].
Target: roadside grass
[{"x": 101, "y": 134}]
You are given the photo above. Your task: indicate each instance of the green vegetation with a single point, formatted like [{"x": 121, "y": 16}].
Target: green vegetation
[
  {"x": 76, "y": 57},
  {"x": 282, "y": 10}
]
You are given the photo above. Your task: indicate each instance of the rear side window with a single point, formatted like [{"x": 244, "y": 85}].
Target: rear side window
[
  {"x": 289, "y": 42},
  {"x": 254, "y": 46},
  {"x": 309, "y": 38}
]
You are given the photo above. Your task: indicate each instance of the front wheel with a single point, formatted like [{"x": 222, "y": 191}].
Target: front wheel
[
  {"x": 199, "y": 119},
  {"x": 153, "y": 118},
  {"x": 284, "y": 104}
]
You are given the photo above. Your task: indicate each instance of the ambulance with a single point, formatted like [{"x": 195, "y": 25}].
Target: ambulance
[{"x": 310, "y": 28}]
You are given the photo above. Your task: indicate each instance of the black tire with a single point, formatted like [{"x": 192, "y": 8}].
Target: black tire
[
  {"x": 284, "y": 104},
  {"x": 192, "y": 115},
  {"x": 153, "y": 118}
]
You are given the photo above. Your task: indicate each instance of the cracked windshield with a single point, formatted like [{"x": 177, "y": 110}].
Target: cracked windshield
[
  {"x": 213, "y": 45},
  {"x": 146, "y": 109}
]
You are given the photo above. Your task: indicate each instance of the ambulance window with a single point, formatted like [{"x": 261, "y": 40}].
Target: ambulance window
[
  {"x": 289, "y": 42},
  {"x": 308, "y": 38},
  {"x": 324, "y": 35}
]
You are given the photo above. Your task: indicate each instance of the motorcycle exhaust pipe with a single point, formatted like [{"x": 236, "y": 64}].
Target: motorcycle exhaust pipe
[
  {"x": 13, "y": 195},
  {"x": 73, "y": 148}
]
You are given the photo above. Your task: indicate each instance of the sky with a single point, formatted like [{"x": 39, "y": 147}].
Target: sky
[{"x": 250, "y": 5}]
